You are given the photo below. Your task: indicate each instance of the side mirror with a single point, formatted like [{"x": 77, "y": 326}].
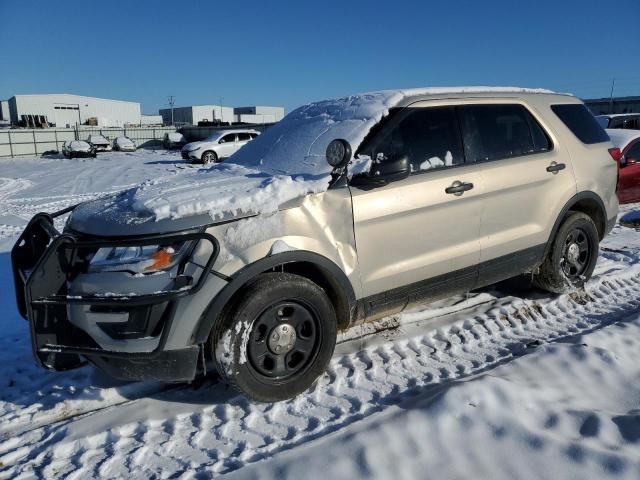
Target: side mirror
[{"x": 390, "y": 170}]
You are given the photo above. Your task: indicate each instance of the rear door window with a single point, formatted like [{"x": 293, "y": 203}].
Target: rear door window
[
  {"x": 243, "y": 137},
  {"x": 228, "y": 138},
  {"x": 581, "y": 122},
  {"x": 493, "y": 132}
]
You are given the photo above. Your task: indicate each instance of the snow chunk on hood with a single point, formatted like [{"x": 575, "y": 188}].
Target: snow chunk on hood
[{"x": 223, "y": 189}]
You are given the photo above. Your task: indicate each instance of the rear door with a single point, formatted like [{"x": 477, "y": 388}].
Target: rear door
[
  {"x": 243, "y": 138},
  {"x": 414, "y": 240},
  {"x": 526, "y": 181},
  {"x": 227, "y": 145}
]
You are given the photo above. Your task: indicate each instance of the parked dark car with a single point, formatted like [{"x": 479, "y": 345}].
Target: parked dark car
[
  {"x": 78, "y": 149},
  {"x": 173, "y": 141},
  {"x": 100, "y": 143},
  {"x": 620, "y": 120}
]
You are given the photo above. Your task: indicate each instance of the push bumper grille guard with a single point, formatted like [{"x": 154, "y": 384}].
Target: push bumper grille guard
[{"x": 43, "y": 260}]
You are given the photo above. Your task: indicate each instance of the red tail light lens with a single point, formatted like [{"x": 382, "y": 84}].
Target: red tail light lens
[{"x": 615, "y": 153}]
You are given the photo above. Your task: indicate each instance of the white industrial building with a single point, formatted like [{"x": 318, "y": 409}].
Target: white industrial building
[
  {"x": 4, "y": 110},
  {"x": 64, "y": 110},
  {"x": 150, "y": 120},
  {"x": 212, "y": 113},
  {"x": 258, "y": 114},
  {"x": 197, "y": 113}
]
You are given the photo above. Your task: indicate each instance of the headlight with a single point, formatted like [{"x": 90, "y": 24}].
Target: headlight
[{"x": 138, "y": 259}]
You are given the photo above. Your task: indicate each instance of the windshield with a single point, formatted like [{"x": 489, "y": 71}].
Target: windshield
[
  {"x": 213, "y": 137},
  {"x": 297, "y": 144}
]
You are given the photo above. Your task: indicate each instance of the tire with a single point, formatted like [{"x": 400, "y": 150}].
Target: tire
[
  {"x": 572, "y": 256},
  {"x": 209, "y": 157},
  {"x": 243, "y": 345}
]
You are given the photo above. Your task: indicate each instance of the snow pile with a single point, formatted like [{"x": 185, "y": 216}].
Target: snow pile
[
  {"x": 220, "y": 190},
  {"x": 175, "y": 137},
  {"x": 435, "y": 162}
]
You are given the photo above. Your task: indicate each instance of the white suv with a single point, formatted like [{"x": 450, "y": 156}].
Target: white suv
[{"x": 221, "y": 144}]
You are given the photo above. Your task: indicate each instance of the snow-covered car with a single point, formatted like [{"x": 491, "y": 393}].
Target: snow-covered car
[
  {"x": 345, "y": 211},
  {"x": 218, "y": 146},
  {"x": 628, "y": 157},
  {"x": 78, "y": 149},
  {"x": 124, "y": 144},
  {"x": 173, "y": 140},
  {"x": 620, "y": 121},
  {"x": 100, "y": 143}
]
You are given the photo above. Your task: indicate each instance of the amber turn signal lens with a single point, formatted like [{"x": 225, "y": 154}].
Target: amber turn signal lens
[{"x": 161, "y": 259}]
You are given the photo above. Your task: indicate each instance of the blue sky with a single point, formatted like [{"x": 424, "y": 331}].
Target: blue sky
[{"x": 289, "y": 53}]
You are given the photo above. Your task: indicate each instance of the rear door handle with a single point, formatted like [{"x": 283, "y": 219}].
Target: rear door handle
[
  {"x": 556, "y": 167},
  {"x": 457, "y": 188}
]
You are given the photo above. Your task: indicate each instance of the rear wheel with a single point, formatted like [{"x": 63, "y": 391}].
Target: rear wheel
[
  {"x": 209, "y": 157},
  {"x": 572, "y": 256},
  {"x": 276, "y": 339}
]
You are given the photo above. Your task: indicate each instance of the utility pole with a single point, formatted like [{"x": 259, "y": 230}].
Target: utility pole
[
  {"x": 172, "y": 102},
  {"x": 221, "y": 111},
  {"x": 613, "y": 84}
]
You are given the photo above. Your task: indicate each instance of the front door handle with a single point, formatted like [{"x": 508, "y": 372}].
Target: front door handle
[
  {"x": 556, "y": 167},
  {"x": 457, "y": 188}
]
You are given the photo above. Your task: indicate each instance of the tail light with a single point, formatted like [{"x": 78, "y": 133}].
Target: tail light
[{"x": 616, "y": 154}]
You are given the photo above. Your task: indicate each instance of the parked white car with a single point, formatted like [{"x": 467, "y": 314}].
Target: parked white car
[
  {"x": 124, "y": 144},
  {"x": 221, "y": 144},
  {"x": 100, "y": 142}
]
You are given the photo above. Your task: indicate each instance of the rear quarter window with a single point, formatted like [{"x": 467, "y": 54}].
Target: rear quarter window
[{"x": 581, "y": 122}]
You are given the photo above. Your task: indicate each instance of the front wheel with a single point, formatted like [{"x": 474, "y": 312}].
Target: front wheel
[
  {"x": 209, "y": 157},
  {"x": 277, "y": 339},
  {"x": 572, "y": 256}
]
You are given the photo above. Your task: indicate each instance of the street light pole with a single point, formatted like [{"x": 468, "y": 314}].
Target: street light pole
[
  {"x": 172, "y": 101},
  {"x": 613, "y": 84}
]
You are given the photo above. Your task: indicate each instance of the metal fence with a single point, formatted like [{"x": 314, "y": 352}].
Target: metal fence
[
  {"x": 38, "y": 141},
  {"x": 23, "y": 142}
]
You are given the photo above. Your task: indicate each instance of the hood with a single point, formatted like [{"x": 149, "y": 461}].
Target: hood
[
  {"x": 194, "y": 145},
  {"x": 192, "y": 199}
]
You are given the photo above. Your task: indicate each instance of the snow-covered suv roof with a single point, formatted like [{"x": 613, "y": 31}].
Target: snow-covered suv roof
[{"x": 297, "y": 144}]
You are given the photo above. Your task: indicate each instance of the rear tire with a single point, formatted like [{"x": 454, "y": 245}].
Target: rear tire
[
  {"x": 209, "y": 157},
  {"x": 276, "y": 339},
  {"x": 572, "y": 256}
]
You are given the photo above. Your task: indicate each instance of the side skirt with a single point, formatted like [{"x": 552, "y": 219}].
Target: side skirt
[{"x": 458, "y": 281}]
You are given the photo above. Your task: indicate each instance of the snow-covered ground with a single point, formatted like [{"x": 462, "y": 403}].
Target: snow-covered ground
[{"x": 502, "y": 383}]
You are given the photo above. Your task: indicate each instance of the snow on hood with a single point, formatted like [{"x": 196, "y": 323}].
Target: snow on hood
[
  {"x": 79, "y": 146},
  {"x": 175, "y": 137},
  {"x": 287, "y": 161},
  {"x": 124, "y": 141}
]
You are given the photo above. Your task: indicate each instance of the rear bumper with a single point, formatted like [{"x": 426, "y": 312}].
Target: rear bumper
[{"x": 45, "y": 261}]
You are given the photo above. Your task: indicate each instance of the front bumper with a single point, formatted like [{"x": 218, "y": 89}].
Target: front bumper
[
  {"x": 191, "y": 155},
  {"x": 45, "y": 262}
]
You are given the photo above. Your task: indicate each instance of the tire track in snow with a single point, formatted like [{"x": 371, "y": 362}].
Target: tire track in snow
[{"x": 224, "y": 432}]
